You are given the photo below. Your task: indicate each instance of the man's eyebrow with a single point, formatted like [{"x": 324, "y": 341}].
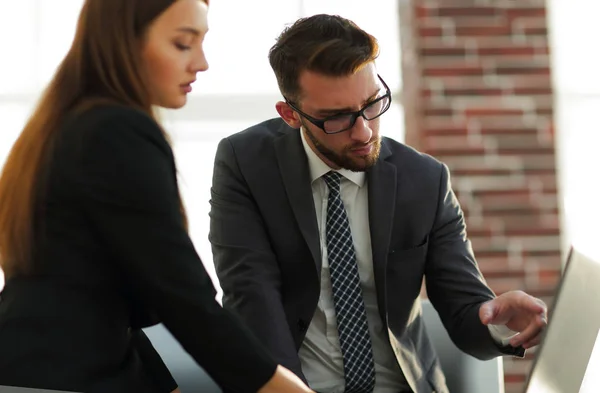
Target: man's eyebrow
[{"x": 333, "y": 111}]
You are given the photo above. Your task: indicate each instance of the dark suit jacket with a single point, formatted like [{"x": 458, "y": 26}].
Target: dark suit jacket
[
  {"x": 111, "y": 255},
  {"x": 265, "y": 243}
]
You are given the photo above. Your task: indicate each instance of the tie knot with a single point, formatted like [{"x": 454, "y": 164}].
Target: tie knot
[{"x": 333, "y": 181}]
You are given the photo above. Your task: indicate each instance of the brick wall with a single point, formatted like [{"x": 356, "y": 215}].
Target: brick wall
[{"x": 478, "y": 96}]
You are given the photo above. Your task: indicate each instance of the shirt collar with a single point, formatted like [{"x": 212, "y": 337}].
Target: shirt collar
[{"x": 318, "y": 168}]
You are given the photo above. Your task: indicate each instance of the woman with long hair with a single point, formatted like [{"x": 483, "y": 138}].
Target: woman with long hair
[{"x": 93, "y": 238}]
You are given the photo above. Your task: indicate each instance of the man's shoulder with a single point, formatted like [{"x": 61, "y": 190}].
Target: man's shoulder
[
  {"x": 261, "y": 132},
  {"x": 401, "y": 154}
]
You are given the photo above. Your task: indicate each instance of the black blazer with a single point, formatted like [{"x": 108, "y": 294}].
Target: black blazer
[
  {"x": 266, "y": 250},
  {"x": 111, "y": 255}
]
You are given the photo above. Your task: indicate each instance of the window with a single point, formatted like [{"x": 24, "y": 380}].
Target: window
[
  {"x": 238, "y": 91},
  {"x": 577, "y": 99}
]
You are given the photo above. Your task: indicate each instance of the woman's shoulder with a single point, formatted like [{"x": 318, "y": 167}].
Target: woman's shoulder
[
  {"x": 111, "y": 114},
  {"x": 114, "y": 122}
]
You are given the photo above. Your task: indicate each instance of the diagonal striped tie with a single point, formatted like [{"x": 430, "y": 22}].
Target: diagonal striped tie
[{"x": 352, "y": 324}]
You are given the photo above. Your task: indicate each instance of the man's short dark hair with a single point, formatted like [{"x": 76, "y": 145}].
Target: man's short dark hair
[{"x": 325, "y": 44}]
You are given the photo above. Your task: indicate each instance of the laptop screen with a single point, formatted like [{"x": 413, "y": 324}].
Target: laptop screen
[{"x": 565, "y": 362}]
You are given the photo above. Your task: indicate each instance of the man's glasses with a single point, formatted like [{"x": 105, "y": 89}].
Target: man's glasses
[{"x": 345, "y": 121}]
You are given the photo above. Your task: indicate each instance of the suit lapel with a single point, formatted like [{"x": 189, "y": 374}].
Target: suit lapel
[
  {"x": 382, "y": 197},
  {"x": 293, "y": 165}
]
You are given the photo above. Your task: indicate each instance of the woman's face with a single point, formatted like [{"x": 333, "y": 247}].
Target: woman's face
[{"x": 172, "y": 52}]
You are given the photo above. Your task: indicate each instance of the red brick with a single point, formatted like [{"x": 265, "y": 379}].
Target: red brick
[
  {"x": 501, "y": 285},
  {"x": 449, "y": 129},
  {"x": 442, "y": 51},
  {"x": 550, "y": 276},
  {"x": 547, "y": 262},
  {"x": 542, "y": 293},
  {"x": 526, "y": 222},
  {"x": 489, "y": 170},
  {"x": 519, "y": 130},
  {"x": 545, "y": 111},
  {"x": 555, "y": 231},
  {"x": 426, "y": 93},
  {"x": 458, "y": 70},
  {"x": 481, "y": 232},
  {"x": 522, "y": 61},
  {"x": 459, "y": 82},
  {"x": 493, "y": 202},
  {"x": 508, "y": 191},
  {"x": 469, "y": 162},
  {"x": 431, "y": 32},
  {"x": 481, "y": 112},
  {"x": 522, "y": 200},
  {"x": 422, "y": 12},
  {"x": 529, "y": 80},
  {"x": 542, "y": 253},
  {"x": 511, "y": 378},
  {"x": 533, "y": 90},
  {"x": 458, "y": 151},
  {"x": 535, "y": 31},
  {"x": 517, "y": 141},
  {"x": 513, "y": 51},
  {"x": 493, "y": 274},
  {"x": 459, "y": 173},
  {"x": 513, "y": 13},
  {"x": 483, "y": 31},
  {"x": 507, "y": 212},
  {"x": 518, "y": 365},
  {"x": 450, "y": 62},
  {"x": 467, "y": 11},
  {"x": 492, "y": 254},
  {"x": 473, "y": 92},
  {"x": 481, "y": 42},
  {"x": 473, "y": 3},
  {"x": 438, "y": 112},
  {"x": 489, "y": 116},
  {"x": 539, "y": 161},
  {"x": 533, "y": 70},
  {"x": 474, "y": 21},
  {"x": 506, "y": 124}
]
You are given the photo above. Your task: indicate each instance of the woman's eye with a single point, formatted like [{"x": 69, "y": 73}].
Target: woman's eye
[{"x": 182, "y": 47}]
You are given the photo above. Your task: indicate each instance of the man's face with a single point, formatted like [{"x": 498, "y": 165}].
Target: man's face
[{"x": 357, "y": 148}]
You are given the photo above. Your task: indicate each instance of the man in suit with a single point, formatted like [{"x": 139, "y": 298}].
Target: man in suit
[{"x": 322, "y": 231}]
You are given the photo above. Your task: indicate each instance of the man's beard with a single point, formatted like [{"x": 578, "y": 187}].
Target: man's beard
[{"x": 345, "y": 159}]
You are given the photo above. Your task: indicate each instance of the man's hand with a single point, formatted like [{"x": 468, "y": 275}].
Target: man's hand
[{"x": 521, "y": 313}]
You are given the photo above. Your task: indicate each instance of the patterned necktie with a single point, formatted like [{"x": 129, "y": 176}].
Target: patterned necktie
[{"x": 352, "y": 324}]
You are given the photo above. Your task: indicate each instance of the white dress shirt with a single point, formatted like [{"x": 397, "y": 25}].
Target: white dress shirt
[{"x": 320, "y": 353}]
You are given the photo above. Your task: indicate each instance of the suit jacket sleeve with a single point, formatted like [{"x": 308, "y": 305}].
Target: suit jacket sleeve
[
  {"x": 153, "y": 363},
  {"x": 247, "y": 268},
  {"x": 129, "y": 192},
  {"x": 455, "y": 285}
]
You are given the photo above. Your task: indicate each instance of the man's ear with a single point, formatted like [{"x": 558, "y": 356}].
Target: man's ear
[{"x": 288, "y": 115}]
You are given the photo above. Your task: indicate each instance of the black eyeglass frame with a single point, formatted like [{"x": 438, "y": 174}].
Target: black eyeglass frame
[{"x": 354, "y": 115}]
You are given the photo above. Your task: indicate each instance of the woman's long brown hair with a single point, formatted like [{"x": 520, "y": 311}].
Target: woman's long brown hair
[{"x": 102, "y": 65}]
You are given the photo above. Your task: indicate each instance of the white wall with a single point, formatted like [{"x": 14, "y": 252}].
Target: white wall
[{"x": 575, "y": 28}]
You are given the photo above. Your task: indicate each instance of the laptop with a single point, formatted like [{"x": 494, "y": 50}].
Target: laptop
[{"x": 568, "y": 359}]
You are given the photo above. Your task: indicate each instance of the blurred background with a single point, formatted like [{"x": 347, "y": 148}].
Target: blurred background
[{"x": 505, "y": 92}]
